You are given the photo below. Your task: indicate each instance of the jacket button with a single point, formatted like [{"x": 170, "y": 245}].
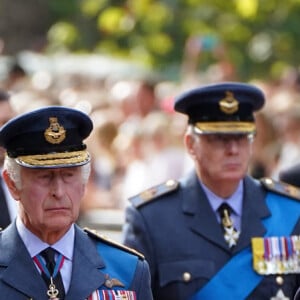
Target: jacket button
[
  {"x": 279, "y": 280},
  {"x": 186, "y": 276}
]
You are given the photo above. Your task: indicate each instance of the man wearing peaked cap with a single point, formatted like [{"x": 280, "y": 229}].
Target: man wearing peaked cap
[
  {"x": 43, "y": 253},
  {"x": 218, "y": 233},
  {"x": 47, "y": 138},
  {"x": 222, "y": 108}
]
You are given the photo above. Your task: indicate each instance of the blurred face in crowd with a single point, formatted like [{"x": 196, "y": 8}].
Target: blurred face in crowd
[
  {"x": 219, "y": 158},
  {"x": 49, "y": 199}
]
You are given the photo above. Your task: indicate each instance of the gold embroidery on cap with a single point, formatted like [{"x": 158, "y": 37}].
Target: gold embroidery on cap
[
  {"x": 53, "y": 159},
  {"x": 55, "y": 133},
  {"x": 226, "y": 127},
  {"x": 229, "y": 105}
]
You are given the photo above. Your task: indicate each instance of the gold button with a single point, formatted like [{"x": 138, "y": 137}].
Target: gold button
[
  {"x": 170, "y": 183},
  {"x": 186, "y": 276},
  {"x": 279, "y": 280}
]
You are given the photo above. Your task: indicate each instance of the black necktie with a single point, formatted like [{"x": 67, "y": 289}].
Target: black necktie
[
  {"x": 231, "y": 235},
  {"x": 49, "y": 256},
  {"x": 4, "y": 213}
]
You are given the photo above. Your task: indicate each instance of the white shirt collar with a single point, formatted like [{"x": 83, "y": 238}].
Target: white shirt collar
[
  {"x": 35, "y": 245},
  {"x": 235, "y": 200}
]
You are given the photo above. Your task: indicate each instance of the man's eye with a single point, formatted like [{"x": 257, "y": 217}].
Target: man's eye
[
  {"x": 67, "y": 176},
  {"x": 44, "y": 176}
]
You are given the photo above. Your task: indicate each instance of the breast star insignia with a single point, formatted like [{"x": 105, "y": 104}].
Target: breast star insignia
[{"x": 231, "y": 236}]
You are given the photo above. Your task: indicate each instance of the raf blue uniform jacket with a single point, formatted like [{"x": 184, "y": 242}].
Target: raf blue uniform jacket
[
  {"x": 184, "y": 245},
  {"x": 20, "y": 279}
]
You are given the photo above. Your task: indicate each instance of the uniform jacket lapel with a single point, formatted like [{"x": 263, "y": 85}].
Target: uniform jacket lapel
[
  {"x": 20, "y": 273},
  {"x": 254, "y": 211},
  {"x": 87, "y": 264},
  {"x": 199, "y": 214},
  {"x": 202, "y": 220}
]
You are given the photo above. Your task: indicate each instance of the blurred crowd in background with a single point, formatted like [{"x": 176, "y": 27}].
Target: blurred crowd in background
[{"x": 137, "y": 141}]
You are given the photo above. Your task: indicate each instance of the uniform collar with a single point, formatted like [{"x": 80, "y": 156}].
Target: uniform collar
[
  {"x": 35, "y": 245},
  {"x": 235, "y": 200}
]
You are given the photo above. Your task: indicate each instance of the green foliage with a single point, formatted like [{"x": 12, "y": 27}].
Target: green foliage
[
  {"x": 90, "y": 8},
  {"x": 63, "y": 34},
  {"x": 259, "y": 37},
  {"x": 63, "y": 8}
]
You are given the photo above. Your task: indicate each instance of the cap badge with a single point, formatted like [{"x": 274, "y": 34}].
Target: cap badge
[
  {"x": 229, "y": 105},
  {"x": 55, "y": 133}
]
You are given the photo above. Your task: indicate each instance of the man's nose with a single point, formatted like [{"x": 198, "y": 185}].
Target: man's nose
[{"x": 57, "y": 186}]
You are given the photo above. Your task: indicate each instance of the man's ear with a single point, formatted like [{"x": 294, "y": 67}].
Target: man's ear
[
  {"x": 11, "y": 185},
  {"x": 189, "y": 141}
]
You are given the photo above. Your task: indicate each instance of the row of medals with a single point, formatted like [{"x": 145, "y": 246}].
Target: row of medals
[{"x": 276, "y": 255}]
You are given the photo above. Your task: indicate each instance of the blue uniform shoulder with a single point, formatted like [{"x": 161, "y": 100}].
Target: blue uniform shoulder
[
  {"x": 154, "y": 193},
  {"x": 281, "y": 188},
  {"x": 97, "y": 236}
]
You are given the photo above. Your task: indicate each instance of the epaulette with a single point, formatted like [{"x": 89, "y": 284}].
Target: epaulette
[
  {"x": 96, "y": 235},
  {"x": 281, "y": 188},
  {"x": 154, "y": 192}
]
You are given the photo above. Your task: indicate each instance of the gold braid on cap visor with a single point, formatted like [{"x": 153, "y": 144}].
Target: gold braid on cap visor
[
  {"x": 55, "y": 159},
  {"x": 225, "y": 127}
]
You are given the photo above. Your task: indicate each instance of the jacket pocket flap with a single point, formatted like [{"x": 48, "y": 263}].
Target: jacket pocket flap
[{"x": 185, "y": 270}]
